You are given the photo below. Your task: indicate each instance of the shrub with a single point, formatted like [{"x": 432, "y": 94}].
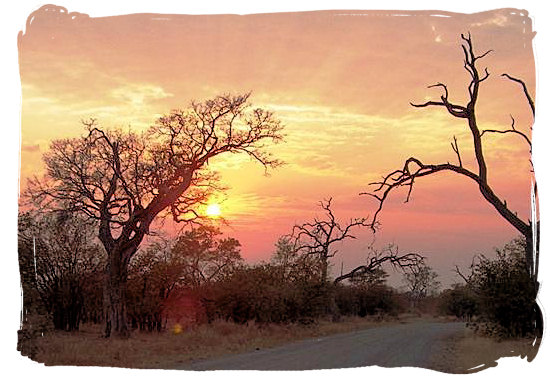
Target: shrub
[
  {"x": 260, "y": 293},
  {"x": 460, "y": 302},
  {"x": 505, "y": 291},
  {"x": 368, "y": 300}
]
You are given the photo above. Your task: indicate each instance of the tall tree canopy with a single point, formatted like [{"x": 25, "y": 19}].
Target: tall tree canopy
[{"x": 125, "y": 179}]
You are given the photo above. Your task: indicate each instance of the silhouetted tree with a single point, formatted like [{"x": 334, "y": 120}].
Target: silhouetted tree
[
  {"x": 205, "y": 256},
  {"x": 124, "y": 179},
  {"x": 153, "y": 274},
  {"x": 505, "y": 292},
  {"x": 389, "y": 255},
  {"x": 65, "y": 254},
  {"x": 420, "y": 281},
  {"x": 318, "y": 237},
  {"x": 294, "y": 265},
  {"x": 459, "y": 301},
  {"x": 35, "y": 319},
  {"x": 414, "y": 168}
]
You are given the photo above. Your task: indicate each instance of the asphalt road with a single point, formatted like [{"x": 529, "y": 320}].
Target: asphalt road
[{"x": 412, "y": 344}]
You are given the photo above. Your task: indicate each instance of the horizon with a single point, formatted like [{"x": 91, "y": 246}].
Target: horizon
[{"x": 335, "y": 145}]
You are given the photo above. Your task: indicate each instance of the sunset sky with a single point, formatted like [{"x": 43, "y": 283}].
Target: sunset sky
[{"x": 340, "y": 82}]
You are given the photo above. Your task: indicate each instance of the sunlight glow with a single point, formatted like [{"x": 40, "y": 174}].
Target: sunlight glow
[{"x": 213, "y": 210}]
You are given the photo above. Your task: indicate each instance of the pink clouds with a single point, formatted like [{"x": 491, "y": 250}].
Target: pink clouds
[{"x": 341, "y": 84}]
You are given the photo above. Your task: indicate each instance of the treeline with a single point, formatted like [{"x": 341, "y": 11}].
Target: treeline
[{"x": 200, "y": 276}]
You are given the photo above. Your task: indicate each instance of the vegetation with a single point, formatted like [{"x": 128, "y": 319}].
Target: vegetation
[
  {"x": 505, "y": 292},
  {"x": 123, "y": 180},
  {"x": 176, "y": 350},
  {"x": 414, "y": 168},
  {"x": 61, "y": 261},
  {"x": 88, "y": 258},
  {"x": 369, "y": 295},
  {"x": 421, "y": 281},
  {"x": 459, "y": 301}
]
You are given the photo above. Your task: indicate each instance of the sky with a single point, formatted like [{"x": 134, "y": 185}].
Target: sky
[{"x": 340, "y": 82}]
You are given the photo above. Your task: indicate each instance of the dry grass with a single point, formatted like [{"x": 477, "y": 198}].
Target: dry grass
[
  {"x": 165, "y": 350},
  {"x": 471, "y": 353}
]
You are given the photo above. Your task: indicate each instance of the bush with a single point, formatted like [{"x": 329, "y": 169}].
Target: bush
[
  {"x": 260, "y": 293},
  {"x": 505, "y": 291},
  {"x": 57, "y": 254},
  {"x": 372, "y": 300},
  {"x": 460, "y": 302}
]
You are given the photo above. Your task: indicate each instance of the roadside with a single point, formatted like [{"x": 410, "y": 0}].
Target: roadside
[
  {"x": 460, "y": 352},
  {"x": 163, "y": 350},
  {"x": 410, "y": 344},
  {"x": 470, "y": 353}
]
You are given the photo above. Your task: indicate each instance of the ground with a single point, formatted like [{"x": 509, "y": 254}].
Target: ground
[{"x": 434, "y": 343}]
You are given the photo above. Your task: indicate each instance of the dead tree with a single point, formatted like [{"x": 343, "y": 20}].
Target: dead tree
[
  {"x": 318, "y": 237},
  {"x": 124, "y": 180},
  {"x": 378, "y": 258},
  {"x": 414, "y": 168}
]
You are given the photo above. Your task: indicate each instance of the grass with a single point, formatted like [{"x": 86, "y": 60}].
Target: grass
[
  {"x": 471, "y": 353},
  {"x": 168, "y": 349},
  {"x": 464, "y": 353}
]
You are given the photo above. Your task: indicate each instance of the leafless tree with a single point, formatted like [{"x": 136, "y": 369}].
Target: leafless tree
[
  {"x": 376, "y": 259},
  {"x": 414, "y": 168},
  {"x": 421, "y": 281},
  {"x": 319, "y": 236},
  {"x": 124, "y": 180}
]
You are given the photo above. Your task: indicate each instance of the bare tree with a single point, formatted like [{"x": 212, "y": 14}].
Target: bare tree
[
  {"x": 414, "y": 168},
  {"x": 376, "y": 259},
  {"x": 421, "y": 281},
  {"x": 318, "y": 237},
  {"x": 124, "y": 180}
]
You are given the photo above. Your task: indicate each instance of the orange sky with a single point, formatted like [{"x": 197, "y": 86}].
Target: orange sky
[{"x": 341, "y": 82}]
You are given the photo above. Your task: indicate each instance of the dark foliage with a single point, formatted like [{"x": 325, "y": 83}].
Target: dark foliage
[
  {"x": 260, "y": 293},
  {"x": 197, "y": 257},
  {"x": 124, "y": 180},
  {"x": 460, "y": 302},
  {"x": 368, "y": 295},
  {"x": 506, "y": 292},
  {"x": 59, "y": 263}
]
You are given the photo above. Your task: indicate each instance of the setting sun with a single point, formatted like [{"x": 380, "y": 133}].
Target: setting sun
[{"x": 213, "y": 210}]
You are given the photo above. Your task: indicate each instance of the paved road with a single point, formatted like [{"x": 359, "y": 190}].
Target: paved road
[{"x": 411, "y": 344}]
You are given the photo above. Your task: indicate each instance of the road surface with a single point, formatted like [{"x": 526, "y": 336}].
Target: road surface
[{"x": 412, "y": 344}]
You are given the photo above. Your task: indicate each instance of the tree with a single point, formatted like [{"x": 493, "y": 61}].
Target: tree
[
  {"x": 318, "y": 237},
  {"x": 505, "y": 292},
  {"x": 205, "y": 257},
  {"x": 414, "y": 168},
  {"x": 124, "y": 180},
  {"x": 65, "y": 256},
  {"x": 154, "y": 273},
  {"x": 196, "y": 257},
  {"x": 421, "y": 281},
  {"x": 294, "y": 265},
  {"x": 377, "y": 258},
  {"x": 459, "y": 301}
]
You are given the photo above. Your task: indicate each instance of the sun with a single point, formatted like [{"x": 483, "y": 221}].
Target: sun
[{"x": 213, "y": 210}]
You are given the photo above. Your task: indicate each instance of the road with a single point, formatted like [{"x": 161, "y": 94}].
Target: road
[{"x": 411, "y": 344}]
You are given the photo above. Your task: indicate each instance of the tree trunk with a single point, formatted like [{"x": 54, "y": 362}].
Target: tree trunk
[{"x": 114, "y": 300}]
